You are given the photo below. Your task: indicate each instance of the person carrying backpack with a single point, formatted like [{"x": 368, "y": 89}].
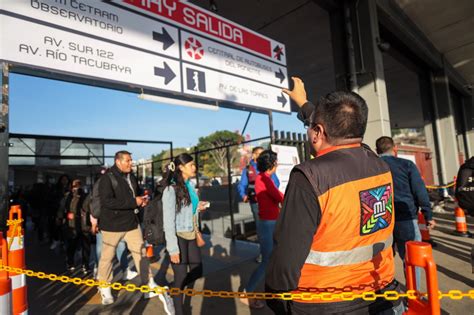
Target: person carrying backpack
[
  {"x": 465, "y": 186},
  {"x": 181, "y": 208},
  {"x": 465, "y": 192},
  {"x": 91, "y": 222},
  {"x": 119, "y": 208}
]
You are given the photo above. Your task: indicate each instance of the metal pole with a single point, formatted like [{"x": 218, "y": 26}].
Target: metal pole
[
  {"x": 270, "y": 123},
  {"x": 350, "y": 49},
  {"x": 152, "y": 176},
  {"x": 4, "y": 145},
  {"x": 229, "y": 179},
  {"x": 171, "y": 151},
  {"x": 246, "y": 123},
  {"x": 196, "y": 160}
]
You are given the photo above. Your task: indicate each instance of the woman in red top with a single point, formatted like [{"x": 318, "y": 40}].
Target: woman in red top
[{"x": 269, "y": 199}]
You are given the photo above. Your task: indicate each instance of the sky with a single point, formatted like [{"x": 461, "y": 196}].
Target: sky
[{"x": 49, "y": 107}]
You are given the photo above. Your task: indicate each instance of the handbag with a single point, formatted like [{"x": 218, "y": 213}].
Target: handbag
[{"x": 200, "y": 240}]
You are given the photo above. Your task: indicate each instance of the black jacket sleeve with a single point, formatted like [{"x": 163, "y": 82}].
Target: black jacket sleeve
[
  {"x": 304, "y": 113},
  {"x": 109, "y": 200},
  {"x": 294, "y": 231}
]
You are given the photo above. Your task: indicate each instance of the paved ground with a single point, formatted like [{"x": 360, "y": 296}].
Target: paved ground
[{"x": 228, "y": 265}]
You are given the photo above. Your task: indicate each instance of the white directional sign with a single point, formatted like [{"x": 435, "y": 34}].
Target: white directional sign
[
  {"x": 211, "y": 54},
  {"x": 218, "y": 85},
  {"x": 167, "y": 45},
  {"x": 51, "y": 48},
  {"x": 99, "y": 19}
]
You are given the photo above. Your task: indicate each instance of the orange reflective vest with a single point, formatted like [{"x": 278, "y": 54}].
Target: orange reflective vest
[{"x": 352, "y": 247}]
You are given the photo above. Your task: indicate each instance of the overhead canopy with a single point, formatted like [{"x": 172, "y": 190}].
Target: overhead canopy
[{"x": 449, "y": 26}]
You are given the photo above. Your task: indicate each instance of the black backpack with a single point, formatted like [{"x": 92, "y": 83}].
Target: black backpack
[
  {"x": 465, "y": 186},
  {"x": 94, "y": 203},
  {"x": 153, "y": 231}
]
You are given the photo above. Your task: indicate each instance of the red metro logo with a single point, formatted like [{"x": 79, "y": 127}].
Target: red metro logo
[{"x": 194, "y": 48}]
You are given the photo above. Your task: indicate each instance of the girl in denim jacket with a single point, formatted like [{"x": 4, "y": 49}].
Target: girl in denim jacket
[{"x": 181, "y": 208}]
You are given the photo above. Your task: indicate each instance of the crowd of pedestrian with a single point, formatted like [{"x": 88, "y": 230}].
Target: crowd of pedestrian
[{"x": 342, "y": 218}]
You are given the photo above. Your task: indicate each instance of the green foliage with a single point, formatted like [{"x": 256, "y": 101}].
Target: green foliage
[{"x": 214, "y": 163}]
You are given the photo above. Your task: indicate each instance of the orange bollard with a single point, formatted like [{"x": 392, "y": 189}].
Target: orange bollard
[
  {"x": 5, "y": 281},
  {"x": 420, "y": 254},
  {"x": 16, "y": 257},
  {"x": 461, "y": 225},
  {"x": 425, "y": 233},
  {"x": 149, "y": 251}
]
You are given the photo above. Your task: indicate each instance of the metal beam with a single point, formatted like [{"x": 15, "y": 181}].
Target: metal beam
[
  {"x": 4, "y": 144},
  {"x": 87, "y": 140},
  {"x": 456, "y": 80},
  {"x": 392, "y": 17}
]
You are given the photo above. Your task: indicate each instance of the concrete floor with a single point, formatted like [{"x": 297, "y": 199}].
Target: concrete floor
[{"x": 228, "y": 266}]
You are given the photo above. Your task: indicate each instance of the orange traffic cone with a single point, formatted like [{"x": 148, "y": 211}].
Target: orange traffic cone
[
  {"x": 461, "y": 225},
  {"x": 149, "y": 251},
  {"x": 5, "y": 281},
  {"x": 425, "y": 232},
  {"x": 16, "y": 257},
  {"x": 419, "y": 254}
]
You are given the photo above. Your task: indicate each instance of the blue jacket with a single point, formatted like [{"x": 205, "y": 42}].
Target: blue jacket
[
  {"x": 409, "y": 189},
  {"x": 244, "y": 180},
  {"x": 173, "y": 222}
]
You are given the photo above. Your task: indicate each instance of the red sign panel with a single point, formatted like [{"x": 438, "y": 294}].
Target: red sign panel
[{"x": 198, "y": 19}]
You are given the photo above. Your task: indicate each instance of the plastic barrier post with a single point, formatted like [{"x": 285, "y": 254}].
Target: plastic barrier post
[
  {"x": 149, "y": 251},
  {"x": 5, "y": 281},
  {"x": 425, "y": 232},
  {"x": 419, "y": 254},
  {"x": 16, "y": 257},
  {"x": 461, "y": 225}
]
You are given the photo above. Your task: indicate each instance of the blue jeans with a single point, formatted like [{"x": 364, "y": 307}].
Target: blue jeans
[
  {"x": 403, "y": 232},
  {"x": 254, "y": 208},
  {"x": 120, "y": 252},
  {"x": 265, "y": 230}
]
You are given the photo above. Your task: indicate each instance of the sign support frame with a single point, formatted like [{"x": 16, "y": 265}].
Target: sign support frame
[{"x": 4, "y": 145}]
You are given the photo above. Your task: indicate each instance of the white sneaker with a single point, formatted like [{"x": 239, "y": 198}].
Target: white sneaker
[
  {"x": 164, "y": 297},
  {"x": 129, "y": 274},
  {"x": 106, "y": 294}
]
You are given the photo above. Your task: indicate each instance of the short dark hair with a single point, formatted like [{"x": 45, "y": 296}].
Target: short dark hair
[
  {"x": 119, "y": 155},
  {"x": 266, "y": 161},
  {"x": 343, "y": 115},
  {"x": 384, "y": 144},
  {"x": 256, "y": 149}
]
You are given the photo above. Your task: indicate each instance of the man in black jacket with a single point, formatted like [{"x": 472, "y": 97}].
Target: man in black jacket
[{"x": 119, "y": 220}]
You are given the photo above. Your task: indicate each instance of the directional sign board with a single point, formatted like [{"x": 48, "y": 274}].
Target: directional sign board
[{"x": 165, "y": 45}]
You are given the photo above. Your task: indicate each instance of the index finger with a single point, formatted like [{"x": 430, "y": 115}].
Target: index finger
[{"x": 297, "y": 80}]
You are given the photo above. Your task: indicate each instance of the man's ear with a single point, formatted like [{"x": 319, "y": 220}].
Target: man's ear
[{"x": 320, "y": 130}]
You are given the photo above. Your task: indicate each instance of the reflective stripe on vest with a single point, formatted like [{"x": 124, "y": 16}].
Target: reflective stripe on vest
[{"x": 348, "y": 257}]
